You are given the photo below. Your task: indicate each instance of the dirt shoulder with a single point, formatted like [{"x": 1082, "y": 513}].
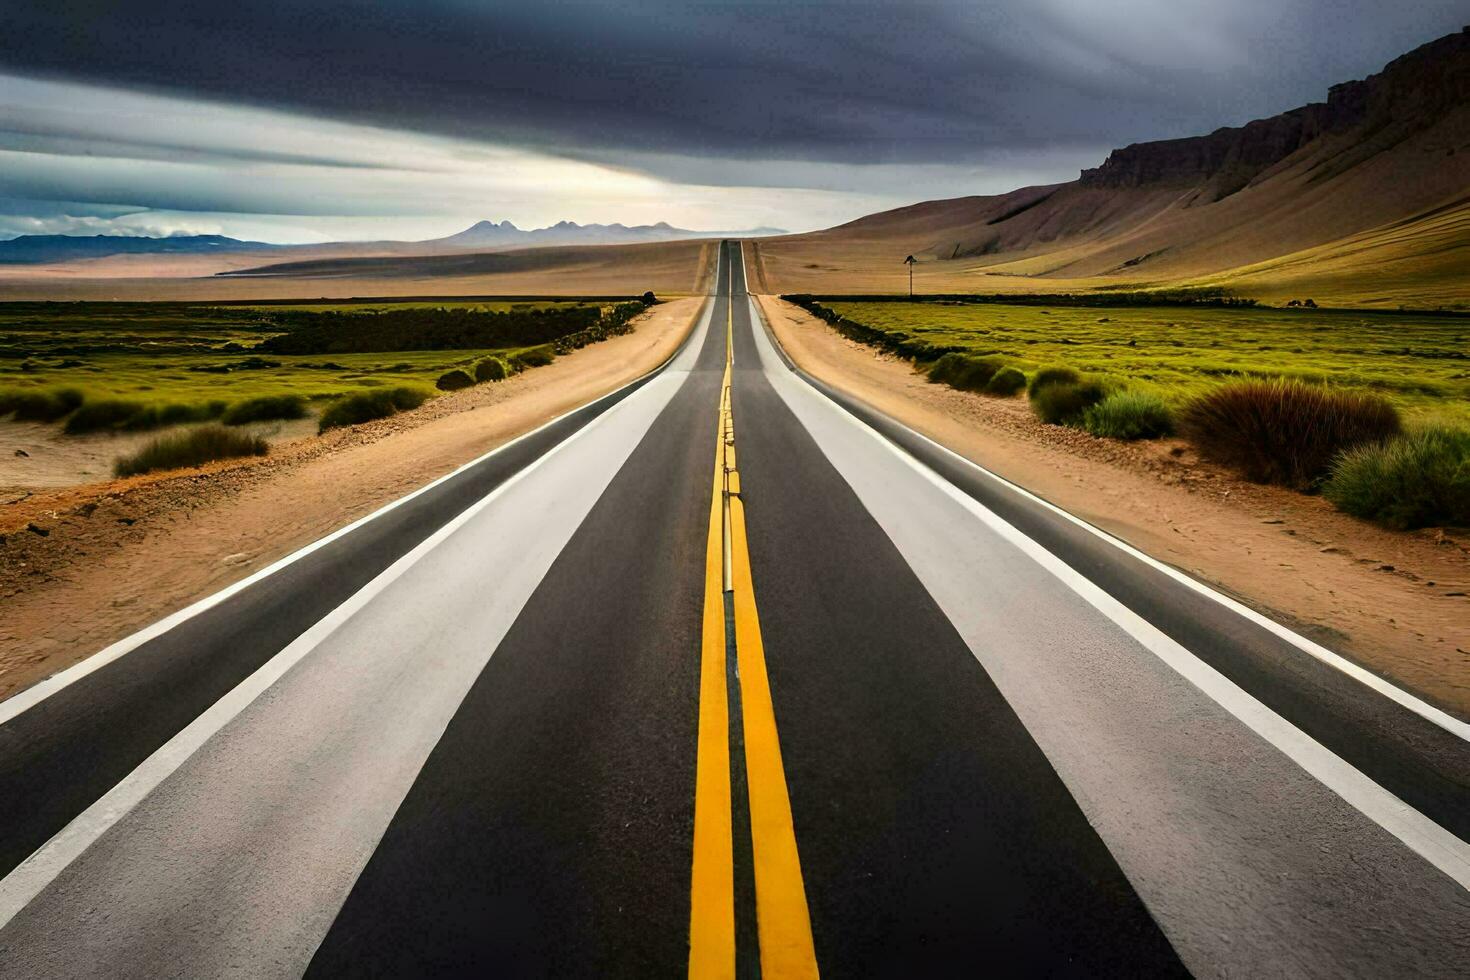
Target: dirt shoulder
[
  {"x": 83, "y": 566},
  {"x": 1394, "y": 602}
]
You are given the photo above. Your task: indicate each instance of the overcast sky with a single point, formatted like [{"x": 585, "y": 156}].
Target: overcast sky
[{"x": 309, "y": 121}]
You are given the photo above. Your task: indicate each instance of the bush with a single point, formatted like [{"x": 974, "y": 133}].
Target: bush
[
  {"x": 366, "y": 406},
  {"x": 40, "y": 406},
  {"x": 265, "y": 409},
  {"x": 1283, "y": 431},
  {"x": 1006, "y": 382},
  {"x": 159, "y": 416},
  {"x": 99, "y": 416},
  {"x": 533, "y": 358},
  {"x": 1051, "y": 375},
  {"x": 454, "y": 380},
  {"x": 1064, "y": 402},
  {"x": 194, "y": 447},
  {"x": 1129, "y": 415},
  {"x": 1421, "y": 479},
  {"x": 492, "y": 369},
  {"x": 964, "y": 371}
]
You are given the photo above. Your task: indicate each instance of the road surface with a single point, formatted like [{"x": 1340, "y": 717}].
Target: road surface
[{"x": 726, "y": 674}]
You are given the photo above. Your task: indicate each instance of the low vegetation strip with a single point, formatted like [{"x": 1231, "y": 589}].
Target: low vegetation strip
[
  {"x": 1419, "y": 362},
  {"x": 150, "y": 366},
  {"x": 411, "y": 329},
  {"x": 1369, "y": 411}
]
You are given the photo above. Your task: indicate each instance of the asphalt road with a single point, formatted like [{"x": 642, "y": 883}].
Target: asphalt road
[{"x": 575, "y": 711}]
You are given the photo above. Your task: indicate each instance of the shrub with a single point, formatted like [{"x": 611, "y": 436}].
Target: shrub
[
  {"x": 98, "y": 416},
  {"x": 1006, "y": 382},
  {"x": 1283, "y": 431},
  {"x": 533, "y": 358},
  {"x": 964, "y": 371},
  {"x": 40, "y": 406},
  {"x": 1420, "y": 479},
  {"x": 365, "y": 406},
  {"x": 194, "y": 447},
  {"x": 454, "y": 380},
  {"x": 1129, "y": 415},
  {"x": 1064, "y": 402},
  {"x": 492, "y": 369},
  {"x": 159, "y": 416},
  {"x": 265, "y": 409},
  {"x": 1051, "y": 375}
]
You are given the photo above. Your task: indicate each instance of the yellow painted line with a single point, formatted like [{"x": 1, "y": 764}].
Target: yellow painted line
[
  {"x": 712, "y": 888},
  {"x": 783, "y": 923},
  {"x": 712, "y": 885}
]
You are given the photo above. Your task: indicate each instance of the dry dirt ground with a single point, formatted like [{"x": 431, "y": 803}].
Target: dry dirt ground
[
  {"x": 83, "y": 566},
  {"x": 1394, "y": 602}
]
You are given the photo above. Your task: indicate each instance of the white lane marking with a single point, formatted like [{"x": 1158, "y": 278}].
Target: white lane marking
[
  {"x": 1426, "y": 838},
  {"x": 1388, "y": 689},
  {"x": 39, "y": 692},
  {"x": 42, "y": 867}
]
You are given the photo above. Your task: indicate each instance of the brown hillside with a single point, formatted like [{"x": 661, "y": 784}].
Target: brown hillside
[{"x": 1314, "y": 199}]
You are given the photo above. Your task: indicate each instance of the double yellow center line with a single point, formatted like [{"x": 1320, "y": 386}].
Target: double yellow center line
[{"x": 783, "y": 924}]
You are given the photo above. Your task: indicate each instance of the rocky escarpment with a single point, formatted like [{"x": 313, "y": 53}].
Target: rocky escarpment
[{"x": 1410, "y": 94}]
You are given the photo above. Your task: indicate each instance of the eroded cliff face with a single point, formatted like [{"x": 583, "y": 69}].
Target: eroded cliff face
[{"x": 1410, "y": 94}]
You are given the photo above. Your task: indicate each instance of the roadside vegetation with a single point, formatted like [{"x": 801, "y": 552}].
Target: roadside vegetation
[
  {"x": 1371, "y": 410},
  {"x": 366, "y": 406},
  {"x": 190, "y": 448},
  {"x": 131, "y": 367}
]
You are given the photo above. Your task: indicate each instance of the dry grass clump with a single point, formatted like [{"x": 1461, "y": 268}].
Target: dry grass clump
[
  {"x": 1285, "y": 432},
  {"x": 267, "y": 408},
  {"x": 1129, "y": 415},
  {"x": 194, "y": 447},
  {"x": 365, "y": 406}
]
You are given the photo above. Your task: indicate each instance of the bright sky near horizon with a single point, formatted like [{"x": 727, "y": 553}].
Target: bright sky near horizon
[{"x": 362, "y": 119}]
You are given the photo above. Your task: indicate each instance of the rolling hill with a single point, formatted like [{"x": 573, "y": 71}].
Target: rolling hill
[{"x": 1360, "y": 200}]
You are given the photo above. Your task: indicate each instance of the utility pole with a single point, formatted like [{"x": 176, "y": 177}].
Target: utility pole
[{"x": 910, "y": 263}]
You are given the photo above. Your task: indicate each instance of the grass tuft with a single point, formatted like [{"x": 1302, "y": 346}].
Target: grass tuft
[
  {"x": 1420, "y": 479},
  {"x": 492, "y": 369},
  {"x": 1064, "y": 402},
  {"x": 1129, "y": 415},
  {"x": 533, "y": 358},
  {"x": 265, "y": 409},
  {"x": 1051, "y": 374},
  {"x": 102, "y": 416},
  {"x": 369, "y": 405},
  {"x": 1006, "y": 382},
  {"x": 1285, "y": 432},
  {"x": 454, "y": 380},
  {"x": 964, "y": 371},
  {"x": 40, "y": 406},
  {"x": 194, "y": 447}
]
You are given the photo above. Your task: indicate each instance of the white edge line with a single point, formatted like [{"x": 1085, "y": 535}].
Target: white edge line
[
  {"x": 35, "y": 694},
  {"x": 1420, "y": 834},
  {"x": 32, "y": 875},
  {"x": 1388, "y": 689}
]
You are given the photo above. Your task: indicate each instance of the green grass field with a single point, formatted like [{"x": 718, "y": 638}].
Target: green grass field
[
  {"x": 1422, "y": 364},
  {"x": 187, "y": 354}
]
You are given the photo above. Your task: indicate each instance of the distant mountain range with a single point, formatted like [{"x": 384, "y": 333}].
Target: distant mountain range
[
  {"x": 489, "y": 234},
  {"x": 40, "y": 249}
]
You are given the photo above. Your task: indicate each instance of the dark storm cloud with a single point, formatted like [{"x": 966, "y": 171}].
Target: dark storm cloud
[{"x": 854, "y": 82}]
